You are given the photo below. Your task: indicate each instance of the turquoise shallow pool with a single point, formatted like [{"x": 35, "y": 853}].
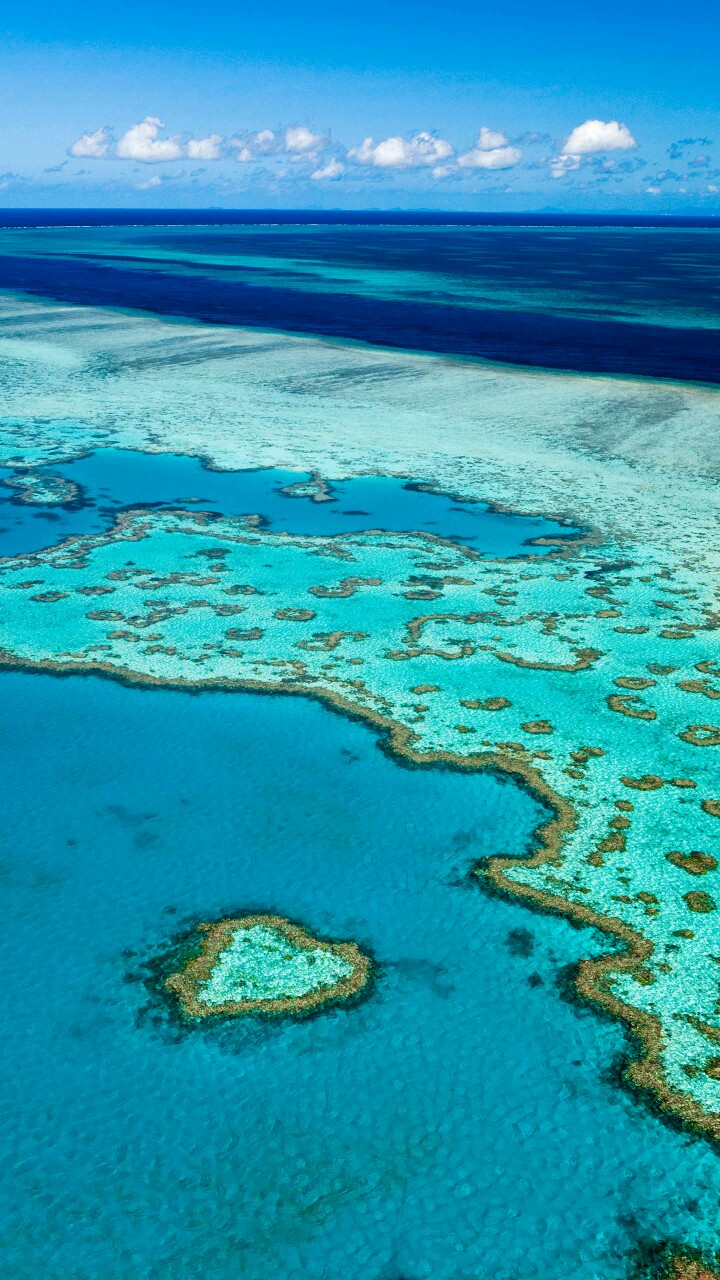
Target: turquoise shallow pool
[
  {"x": 111, "y": 479},
  {"x": 457, "y": 1123}
]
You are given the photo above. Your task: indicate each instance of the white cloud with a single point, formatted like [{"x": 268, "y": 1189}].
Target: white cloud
[
  {"x": 252, "y": 146},
  {"x": 652, "y": 191},
  {"x": 329, "y": 172},
  {"x": 423, "y": 150},
  {"x": 141, "y": 143},
  {"x": 713, "y": 189},
  {"x": 560, "y": 165},
  {"x": 489, "y": 140},
  {"x": 598, "y": 135},
  {"x": 161, "y": 180},
  {"x": 297, "y": 150},
  {"x": 264, "y": 142},
  {"x": 92, "y": 146},
  {"x": 300, "y": 140},
  {"x": 483, "y": 156},
  {"x": 209, "y": 148}
]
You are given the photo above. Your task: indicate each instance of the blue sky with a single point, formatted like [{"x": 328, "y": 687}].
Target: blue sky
[{"x": 383, "y": 105}]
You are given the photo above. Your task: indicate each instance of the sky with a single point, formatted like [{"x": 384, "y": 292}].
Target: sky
[{"x": 383, "y": 105}]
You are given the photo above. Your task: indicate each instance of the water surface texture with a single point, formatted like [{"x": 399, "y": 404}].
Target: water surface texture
[{"x": 417, "y": 652}]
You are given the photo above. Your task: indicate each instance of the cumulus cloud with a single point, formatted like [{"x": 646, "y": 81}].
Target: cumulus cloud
[
  {"x": 598, "y": 135},
  {"x": 560, "y": 165},
  {"x": 300, "y": 140},
  {"x": 492, "y": 150},
  {"x": 490, "y": 140},
  {"x": 421, "y": 151},
  {"x": 444, "y": 171},
  {"x": 329, "y": 172},
  {"x": 141, "y": 142},
  {"x": 92, "y": 146},
  {"x": 264, "y": 142},
  {"x": 160, "y": 180},
  {"x": 252, "y": 146},
  {"x": 603, "y": 150},
  {"x": 209, "y": 148}
]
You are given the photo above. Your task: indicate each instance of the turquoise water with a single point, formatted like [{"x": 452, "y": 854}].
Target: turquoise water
[
  {"x": 458, "y": 1123},
  {"x": 115, "y": 478}
]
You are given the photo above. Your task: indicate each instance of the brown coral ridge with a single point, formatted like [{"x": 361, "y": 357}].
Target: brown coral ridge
[
  {"x": 316, "y": 488},
  {"x": 68, "y": 494},
  {"x": 682, "y": 1267},
  {"x": 671, "y": 1260},
  {"x": 701, "y": 735},
  {"x": 592, "y": 979},
  {"x": 216, "y": 936},
  {"x": 695, "y": 863},
  {"x": 344, "y": 588},
  {"x": 584, "y": 658},
  {"x": 626, "y": 704}
]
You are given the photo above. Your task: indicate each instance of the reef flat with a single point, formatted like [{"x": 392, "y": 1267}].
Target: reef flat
[
  {"x": 266, "y": 964},
  {"x": 42, "y": 489}
]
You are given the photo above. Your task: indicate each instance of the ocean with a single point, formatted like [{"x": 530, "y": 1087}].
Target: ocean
[{"x": 361, "y": 573}]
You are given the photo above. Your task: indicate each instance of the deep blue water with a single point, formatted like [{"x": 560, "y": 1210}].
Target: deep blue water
[
  {"x": 334, "y": 217},
  {"x": 115, "y": 478},
  {"x": 615, "y": 299},
  {"x": 456, "y": 1125}
]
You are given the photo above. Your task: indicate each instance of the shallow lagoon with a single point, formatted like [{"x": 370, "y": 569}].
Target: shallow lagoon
[
  {"x": 447, "y": 1126},
  {"x": 111, "y": 479}
]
